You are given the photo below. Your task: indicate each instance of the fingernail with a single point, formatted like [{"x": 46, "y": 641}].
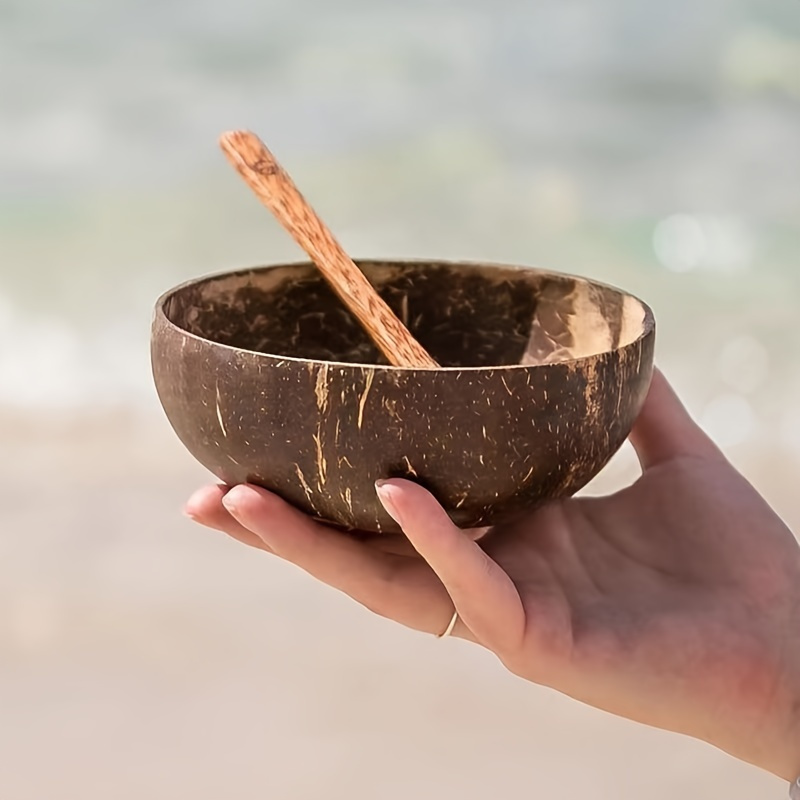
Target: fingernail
[
  {"x": 234, "y": 497},
  {"x": 189, "y": 515},
  {"x": 385, "y": 491}
]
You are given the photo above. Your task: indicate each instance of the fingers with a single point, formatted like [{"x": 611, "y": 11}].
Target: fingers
[
  {"x": 393, "y": 586},
  {"x": 483, "y": 594},
  {"x": 665, "y": 430},
  {"x": 205, "y": 507}
]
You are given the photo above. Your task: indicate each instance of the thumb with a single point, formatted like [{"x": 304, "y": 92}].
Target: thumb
[
  {"x": 483, "y": 594},
  {"x": 665, "y": 430}
]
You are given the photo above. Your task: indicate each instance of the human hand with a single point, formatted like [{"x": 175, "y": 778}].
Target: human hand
[{"x": 674, "y": 602}]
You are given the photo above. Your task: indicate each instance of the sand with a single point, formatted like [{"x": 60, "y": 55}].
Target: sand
[{"x": 144, "y": 657}]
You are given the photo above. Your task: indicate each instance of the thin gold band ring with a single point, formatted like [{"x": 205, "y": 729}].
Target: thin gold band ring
[{"x": 449, "y": 629}]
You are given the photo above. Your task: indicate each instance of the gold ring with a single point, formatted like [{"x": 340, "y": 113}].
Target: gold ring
[{"x": 449, "y": 629}]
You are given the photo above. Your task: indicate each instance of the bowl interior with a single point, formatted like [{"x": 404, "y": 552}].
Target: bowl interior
[{"x": 465, "y": 315}]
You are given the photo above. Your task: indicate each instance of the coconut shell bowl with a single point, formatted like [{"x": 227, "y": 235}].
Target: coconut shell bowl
[{"x": 268, "y": 378}]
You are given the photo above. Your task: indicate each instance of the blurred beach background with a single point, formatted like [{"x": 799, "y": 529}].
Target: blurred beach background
[{"x": 647, "y": 144}]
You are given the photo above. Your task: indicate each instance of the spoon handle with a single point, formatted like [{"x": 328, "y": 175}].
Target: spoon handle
[{"x": 276, "y": 190}]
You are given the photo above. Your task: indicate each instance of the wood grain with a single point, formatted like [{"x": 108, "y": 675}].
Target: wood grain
[{"x": 275, "y": 188}]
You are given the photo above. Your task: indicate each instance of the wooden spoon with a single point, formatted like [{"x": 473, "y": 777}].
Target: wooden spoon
[{"x": 273, "y": 186}]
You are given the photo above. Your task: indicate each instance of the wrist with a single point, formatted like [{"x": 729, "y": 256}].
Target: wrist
[
  {"x": 783, "y": 756},
  {"x": 794, "y": 760},
  {"x": 787, "y": 762},
  {"x": 773, "y": 743}
]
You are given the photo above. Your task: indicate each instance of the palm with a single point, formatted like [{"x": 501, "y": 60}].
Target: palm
[
  {"x": 656, "y": 603},
  {"x": 640, "y": 603}
]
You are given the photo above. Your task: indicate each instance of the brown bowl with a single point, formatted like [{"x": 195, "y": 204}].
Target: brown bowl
[{"x": 267, "y": 378}]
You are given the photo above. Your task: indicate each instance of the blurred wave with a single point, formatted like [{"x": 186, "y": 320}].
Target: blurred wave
[{"x": 651, "y": 145}]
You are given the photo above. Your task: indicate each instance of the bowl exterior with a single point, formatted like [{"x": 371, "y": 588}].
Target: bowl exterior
[{"x": 490, "y": 443}]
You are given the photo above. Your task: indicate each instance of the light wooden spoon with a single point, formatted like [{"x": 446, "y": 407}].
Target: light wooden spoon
[{"x": 273, "y": 186}]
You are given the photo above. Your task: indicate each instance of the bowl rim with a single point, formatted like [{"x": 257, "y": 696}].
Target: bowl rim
[{"x": 160, "y": 316}]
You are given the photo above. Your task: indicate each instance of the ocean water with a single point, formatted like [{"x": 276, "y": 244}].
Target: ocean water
[{"x": 647, "y": 144}]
